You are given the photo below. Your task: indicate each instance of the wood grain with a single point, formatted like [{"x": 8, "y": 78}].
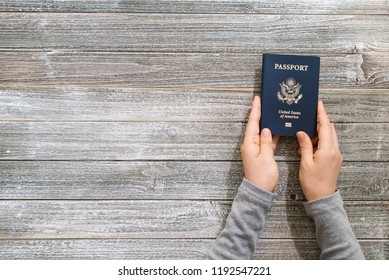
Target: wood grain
[
  {"x": 122, "y": 249},
  {"x": 168, "y": 219},
  {"x": 121, "y": 123},
  {"x": 176, "y": 180},
  {"x": 372, "y": 70},
  {"x": 65, "y": 68},
  {"x": 203, "y": 6},
  {"x": 195, "y": 33},
  {"x": 172, "y": 105},
  {"x": 166, "y": 141}
]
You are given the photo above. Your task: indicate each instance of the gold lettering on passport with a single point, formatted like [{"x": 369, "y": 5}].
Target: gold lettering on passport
[
  {"x": 288, "y": 114},
  {"x": 291, "y": 67}
]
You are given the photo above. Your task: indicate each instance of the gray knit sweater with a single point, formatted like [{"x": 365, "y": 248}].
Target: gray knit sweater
[{"x": 248, "y": 217}]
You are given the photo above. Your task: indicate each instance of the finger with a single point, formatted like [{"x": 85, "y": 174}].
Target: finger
[
  {"x": 275, "y": 141},
  {"x": 314, "y": 141},
  {"x": 335, "y": 137},
  {"x": 252, "y": 129},
  {"x": 317, "y": 126},
  {"x": 306, "y": 148},
  {"x": 266, "y": 143},
  {"x": 325, "y": 127},
  {"x": 322, "y": 114}
]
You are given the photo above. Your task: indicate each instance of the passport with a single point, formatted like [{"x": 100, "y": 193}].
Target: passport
[{"x": 290, "y": 87}]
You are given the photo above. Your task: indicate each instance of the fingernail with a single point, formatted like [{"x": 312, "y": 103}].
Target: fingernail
[
  {"x": 266, "y": 133},
  {"x": 300, "y": 136}
]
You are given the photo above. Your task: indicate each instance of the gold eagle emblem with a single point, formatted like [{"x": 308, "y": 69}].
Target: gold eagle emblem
[{"x": 289, "y": 92}]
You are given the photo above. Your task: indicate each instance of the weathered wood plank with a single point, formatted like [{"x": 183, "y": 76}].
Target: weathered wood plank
[
  {"x": 64, "y": 68},
  {"x": 200, "y": 6},
  {"x": 166, "y": 141},
  {"x": 169, "y": 180},
  {"x": 167, "y": 219},
  {"x": 274, "y": 249},
  {"x": 372, "y": 70},
  {"x": 308, "y": 250},
  {"x": 356, "y": 105},
  {"x": 195, "y": 33},
  {"x": 143, "y": 104}
]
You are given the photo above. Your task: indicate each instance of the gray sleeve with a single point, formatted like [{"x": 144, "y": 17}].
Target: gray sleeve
[
  {"x": 333, "y": 231},
  {"x": 244, "y": 223}
]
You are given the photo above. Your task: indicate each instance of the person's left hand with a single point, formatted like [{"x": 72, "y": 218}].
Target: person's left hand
[{"x": 257, "y": 150}]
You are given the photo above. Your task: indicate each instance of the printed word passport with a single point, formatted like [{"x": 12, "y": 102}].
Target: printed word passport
[{"x": 290, "y": 87}]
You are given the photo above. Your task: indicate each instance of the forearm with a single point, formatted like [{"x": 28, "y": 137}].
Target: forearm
[
  {"x": 333, "y": 231},
  {"x": 244, "y": 223}
]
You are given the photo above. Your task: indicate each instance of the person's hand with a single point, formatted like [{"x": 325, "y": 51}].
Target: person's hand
[
  {"x": 257, "y": 151},
  {"x": 319, "y": 170}
]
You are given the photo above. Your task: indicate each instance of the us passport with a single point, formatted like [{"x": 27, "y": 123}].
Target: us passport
[{"x": 290, "y": 87}]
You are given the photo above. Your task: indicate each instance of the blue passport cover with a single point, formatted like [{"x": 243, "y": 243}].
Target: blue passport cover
[{"x": 290, "y": 87}]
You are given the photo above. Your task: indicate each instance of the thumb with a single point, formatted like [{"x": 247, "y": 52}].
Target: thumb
[
  {"x": 266, "y": 143},
  {"x": 305, "y": 144}
]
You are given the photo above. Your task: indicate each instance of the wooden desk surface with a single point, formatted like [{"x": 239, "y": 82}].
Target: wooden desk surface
[{"x": 121, "y": 122}]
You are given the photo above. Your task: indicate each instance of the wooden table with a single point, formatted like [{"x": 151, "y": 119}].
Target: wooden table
[{"x": 121, "y": 122}]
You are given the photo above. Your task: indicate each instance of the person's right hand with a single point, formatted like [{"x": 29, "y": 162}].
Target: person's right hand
[{"x": 319, "y": 170}]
